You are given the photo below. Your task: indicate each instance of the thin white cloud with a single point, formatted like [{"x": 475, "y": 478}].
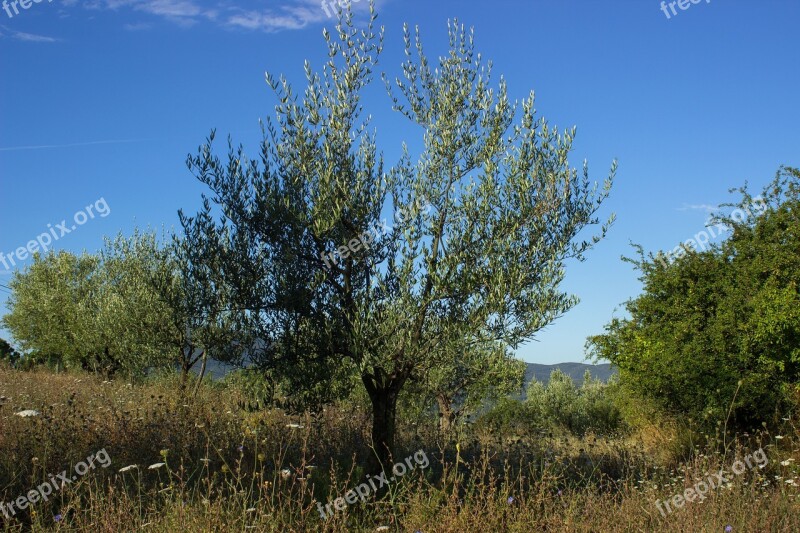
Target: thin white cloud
[
  {"x": 46, "y": 146},
  {"x": 284, "y": 15},
  {"x": 32, "y": 37},
  {"x": 292, "y": 16},
  {"x": 267, "y": 21},
  {"x": 181, "y": 12},
  {"x": 708, "y": 208},
  {"x": 140, "y": 26},
  {"x": 171, "y": 8},
  {"x": 22, "y": 36}
]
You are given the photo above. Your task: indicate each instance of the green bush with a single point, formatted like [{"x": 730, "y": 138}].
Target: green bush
[
  {"x": 255, "y": 389},
  {"x": 715, "y": 334},
  {"x": 509, "y": 417},
  {"x": 559, "y": 406},
  {"x": 8, "y": 353},
  {"x": 562, "y": 404}
]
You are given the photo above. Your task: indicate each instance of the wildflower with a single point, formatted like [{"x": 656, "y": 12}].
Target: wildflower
[
  {"x": 510, "y": 500},
  {"x": 164, "y": 453},
  {"x": 285, "y": 473},
  {"x": 251, "y": 510},
  {"x": 240, "y": 448},
  {"x": 382, "y": 528},
  {"x": 57, "y": 518},
  {"x": 27, "y": 412},
  {"x": 787, "y": 462},
  {"x": 261, "y": 457},
  {"x": 294, "y": 426},
  {"x": 225, "y": 468},
  {"x": 728, "y": 529},
  {"x": 791, "y": 482},
  {"x": 778, "y": 437},
  {"x": 559, "y": 492},
  {"x": 127, "y": 468},
  {"x": 155, "y": 466}
]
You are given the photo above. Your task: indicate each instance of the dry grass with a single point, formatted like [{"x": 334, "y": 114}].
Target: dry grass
[{"x": 226, "y": 469}]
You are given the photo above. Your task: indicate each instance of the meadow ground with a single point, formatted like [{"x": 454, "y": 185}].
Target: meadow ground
[{"x": 209, "y": 463}]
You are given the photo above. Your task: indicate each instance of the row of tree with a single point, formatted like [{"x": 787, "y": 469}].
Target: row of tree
[{"x": 133, "y": 307}]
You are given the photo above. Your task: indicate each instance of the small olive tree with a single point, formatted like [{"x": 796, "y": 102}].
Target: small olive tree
[{"x": 465, "y": 376}]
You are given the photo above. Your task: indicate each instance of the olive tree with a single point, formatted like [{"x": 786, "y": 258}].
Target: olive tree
[
  {"x": 485, "y": 217},
  {"x": 46, "y": 315}
]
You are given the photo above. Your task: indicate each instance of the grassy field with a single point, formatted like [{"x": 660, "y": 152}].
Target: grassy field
[{"x": 226, "y": 468}]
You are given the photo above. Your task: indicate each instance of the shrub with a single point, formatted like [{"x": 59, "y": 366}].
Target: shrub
[{"x": 562, "y": 404}]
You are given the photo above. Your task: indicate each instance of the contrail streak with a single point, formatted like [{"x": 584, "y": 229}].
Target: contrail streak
[{"x": 43, "y": 146}]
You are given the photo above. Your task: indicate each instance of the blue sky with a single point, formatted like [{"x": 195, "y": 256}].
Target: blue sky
[{"x": 104, "y": 99}]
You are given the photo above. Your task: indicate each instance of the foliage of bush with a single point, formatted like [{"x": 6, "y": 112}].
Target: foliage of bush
[
  {"x": 510, "y": 417},
  {"x": 563, "y": 404},
  {"x": 8, "y": 353},
  {"x": 715, "y": 336},
  {"x": 559, "y": 405}
]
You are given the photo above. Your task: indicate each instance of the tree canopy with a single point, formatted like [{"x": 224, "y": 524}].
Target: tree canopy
[{"x": 482, "y": 261}]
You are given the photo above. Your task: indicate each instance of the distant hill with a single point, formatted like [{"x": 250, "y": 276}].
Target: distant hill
[
  {"x": 573, "y": 370},
  {"x": 216, "y": 370}
]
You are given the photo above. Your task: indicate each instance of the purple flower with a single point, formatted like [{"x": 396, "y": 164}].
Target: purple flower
[
  {"x": 559, "y": 492},
  {"x": 728, "y": 529},
  {"x": 510, "y": 500},
  {"x": 57, "y": 518},
  {"x": 240, "y": 448}
]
